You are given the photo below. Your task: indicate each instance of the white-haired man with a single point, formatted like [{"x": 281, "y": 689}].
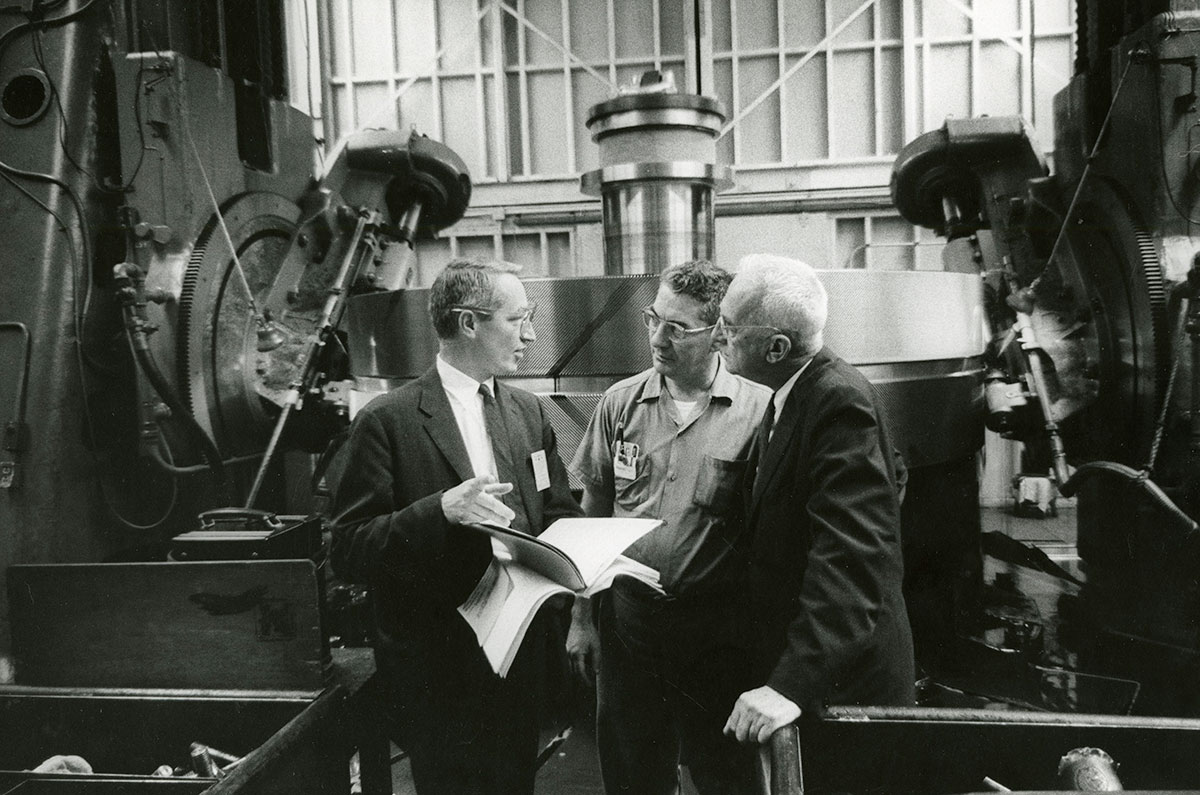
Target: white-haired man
[{"x": 823, "y": 512}]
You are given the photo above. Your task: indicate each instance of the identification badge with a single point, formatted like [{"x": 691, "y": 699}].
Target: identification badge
[
  {"x": 541, "y": 472},
  {"x": 625, "y": 461}
]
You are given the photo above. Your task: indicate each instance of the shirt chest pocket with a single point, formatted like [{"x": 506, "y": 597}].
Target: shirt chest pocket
[
  {"x": 633, "y": 493},
  {"x": 718, "y": 484}
]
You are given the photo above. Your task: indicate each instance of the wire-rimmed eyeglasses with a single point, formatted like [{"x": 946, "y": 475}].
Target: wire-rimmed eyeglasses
[
  {"x": 724, "y": 327},
  {"x": 673, "y": 331},
  {"x": 524, "y": 315}
]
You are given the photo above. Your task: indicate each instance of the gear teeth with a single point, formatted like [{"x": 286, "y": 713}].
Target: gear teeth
[
  {"x": 1156, "y": 292},
  {"x": 187, "y": 299}
]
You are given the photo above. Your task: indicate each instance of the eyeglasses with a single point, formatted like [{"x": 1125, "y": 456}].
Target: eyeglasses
[
  {"x": 674, "y": 331},
  {"x": 521, "y": 315},
  {"x": 731, "y": 328}
]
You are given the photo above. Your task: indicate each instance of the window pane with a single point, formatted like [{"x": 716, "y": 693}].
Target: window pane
[
  {"x": 415, "y": 47},
  {"x": 863, "y": 26},
  {"x": 853, "y": 104},
  {"x": 546, "y": 16},
  {"x": 757, "y": 24},
  {"x": 635, "y": 29},
  {"x": 891, "y": 248},
  {"x": 760, "y": 127},
  {"x": 548, "y": 127},
  {"x": 803, "y": 23},
  {"x": 808, "y": 137},
  {"x": 849, "y": 249}
]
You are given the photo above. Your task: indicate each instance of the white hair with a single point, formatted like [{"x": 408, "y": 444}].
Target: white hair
[{"x": 785, "y": 293}]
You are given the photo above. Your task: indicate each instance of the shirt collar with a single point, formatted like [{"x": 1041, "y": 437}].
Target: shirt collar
[
  {"x": 724, "y": 385},
  {"x": 457, "y": 381},
  {"x": 785, "y": 391}
]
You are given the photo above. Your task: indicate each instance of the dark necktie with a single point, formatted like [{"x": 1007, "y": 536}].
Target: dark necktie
[
  {"x": 497, "y": 430},
  {"x": 764, "y": 431}
]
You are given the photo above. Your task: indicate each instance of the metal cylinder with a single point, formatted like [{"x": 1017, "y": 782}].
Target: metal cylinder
[{"x": 657, "y": 178}]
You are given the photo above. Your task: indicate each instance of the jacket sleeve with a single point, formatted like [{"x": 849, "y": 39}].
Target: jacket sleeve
[
  {"x": 372, "y": 535},
  {"x": 853, "y": 556}
]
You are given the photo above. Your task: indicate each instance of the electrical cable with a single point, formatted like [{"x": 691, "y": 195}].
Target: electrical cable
[
  {"x": 10, "y": 35},
  {"x": 89, "y": 422}
]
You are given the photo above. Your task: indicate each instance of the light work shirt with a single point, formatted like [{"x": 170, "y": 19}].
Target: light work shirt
[{"x": 687, "y": 472}]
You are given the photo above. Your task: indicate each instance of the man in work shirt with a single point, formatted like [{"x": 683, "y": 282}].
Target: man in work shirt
[{"x": 671, "y": 443}]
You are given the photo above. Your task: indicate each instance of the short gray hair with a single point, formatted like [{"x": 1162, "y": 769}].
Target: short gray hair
[
  {"x": 464, "y": 282},
  {"x": 788, "y": 294}
]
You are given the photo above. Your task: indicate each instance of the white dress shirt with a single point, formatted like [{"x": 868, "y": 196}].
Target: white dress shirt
[
  {"x": 781, "y": 396},
  {"x": 467, "y": 405}
]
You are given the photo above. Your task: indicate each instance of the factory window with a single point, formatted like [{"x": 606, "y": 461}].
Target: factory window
[
  {"x": 829, "y": 80},
  {"x": 883, "y": 243},
  {"x": 506, "y": 85},
  {"x": 808, "y": 84},
  {"x": 546, "y": 251}
]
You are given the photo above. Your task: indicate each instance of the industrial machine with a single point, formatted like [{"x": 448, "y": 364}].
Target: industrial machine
[
  {"x": 1091, "y": 274},
  {"x": 174, "y": 283}
]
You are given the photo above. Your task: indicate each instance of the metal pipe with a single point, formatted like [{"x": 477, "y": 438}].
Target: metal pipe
[{"x": 337, "y": 291}]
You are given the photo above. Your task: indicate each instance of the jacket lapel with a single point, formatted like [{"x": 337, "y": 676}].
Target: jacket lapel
[
  {"x": 782, "y": 440},
  {"x": 519, "y": 452},
  {"x": 440, "y": 425}
]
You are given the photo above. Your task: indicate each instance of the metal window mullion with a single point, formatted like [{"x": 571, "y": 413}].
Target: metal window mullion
[
  {"x": 326, "y": 75},
  {"x": 781, "y": 60},
  {"x": 435, "y": 81},
  {"x": 733, "y": 74},
  {"x": 1026, "y": 11},
  {"x": 481, "y": 148},
  {"x": 500, "y": 96},
  {"x": 395, "y": 70},
  {"x": 612, "y": 43},
  {"x": 655, "y": 15},
  {"x": 908, "y": 35},
  {"x": 351, "y": 94},
  {"x": 877, "y": 79},
  {"x": 973, "y": 66},
  {"x": 498, "y": 242},
  {"x": 544, "y": 250},
  {"x": 523, "y": 87},
  {"x": 568, "y": 88},
  {"x": 831, "y": 148},
  {"x": 926, "y": 50}
]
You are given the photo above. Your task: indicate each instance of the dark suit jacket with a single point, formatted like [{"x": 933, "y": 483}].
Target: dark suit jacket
[
  {"x": 404, "y": 450},
  {"x": 826, "y": 570}
]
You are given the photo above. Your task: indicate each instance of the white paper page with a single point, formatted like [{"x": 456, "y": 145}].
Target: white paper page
[
  {"x": 593, "y": 542},
  {"x": 527, "y": 593},
  {"x": 628, "y": 567}
]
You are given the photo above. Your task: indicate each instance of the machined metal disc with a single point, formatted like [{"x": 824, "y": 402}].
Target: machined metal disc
[{"x": 228, "y": 382}]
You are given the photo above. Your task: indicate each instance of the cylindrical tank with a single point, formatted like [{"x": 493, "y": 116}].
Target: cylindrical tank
[{"x": 657, "y": 178}]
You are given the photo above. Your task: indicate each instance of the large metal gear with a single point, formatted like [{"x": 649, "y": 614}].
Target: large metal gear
[
  {"x": 1114, "y": 268},
  {"x": 227, "y": 382}
]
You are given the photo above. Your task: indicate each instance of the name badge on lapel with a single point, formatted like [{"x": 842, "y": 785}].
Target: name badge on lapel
[{"x": 541, "y": 472}]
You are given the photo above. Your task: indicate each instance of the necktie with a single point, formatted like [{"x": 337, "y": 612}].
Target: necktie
[
  {"x": 764, "y": 430},
  {"x": 497, "y": 429}
]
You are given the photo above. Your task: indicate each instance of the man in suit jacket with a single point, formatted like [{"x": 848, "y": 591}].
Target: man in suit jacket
[
  {"x": 422, "y": 461},
  {"x": 823, "y": 512}
]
